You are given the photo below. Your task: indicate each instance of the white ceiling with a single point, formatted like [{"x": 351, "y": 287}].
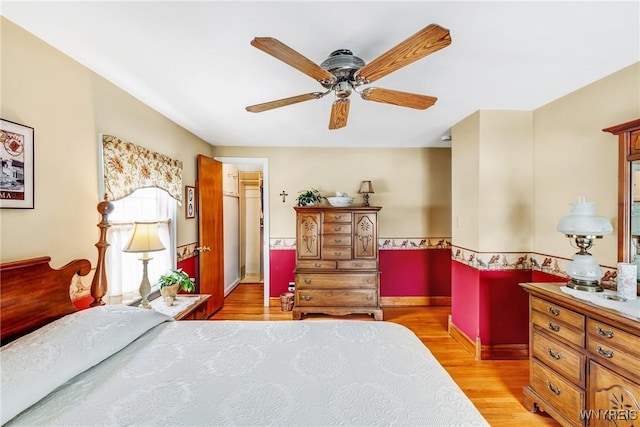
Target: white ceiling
[{"x": 192, "y": 61}]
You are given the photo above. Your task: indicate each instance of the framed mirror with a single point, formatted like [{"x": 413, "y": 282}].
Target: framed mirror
[{"x": 628, "y": 190}]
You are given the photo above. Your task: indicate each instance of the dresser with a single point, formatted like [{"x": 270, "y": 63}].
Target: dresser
[
  {"x": 584, "y": 360},
  {"x": 337, "y": 261}
]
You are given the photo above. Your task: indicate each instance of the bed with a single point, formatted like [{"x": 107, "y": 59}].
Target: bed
[{"x": 123, "y": 365}]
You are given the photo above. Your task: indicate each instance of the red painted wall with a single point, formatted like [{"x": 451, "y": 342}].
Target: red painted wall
[
  {"x": 465, "y": 297},
  {"x": 490, "y": 304},
  {"x": 409, "y": 273},
  {"x": 504, "y": 307},
  {"x": 403, "y": 273},
  {"x": 282, "y": 264}
]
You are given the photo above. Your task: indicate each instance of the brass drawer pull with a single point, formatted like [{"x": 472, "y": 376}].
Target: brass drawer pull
[
  {"x": 337, "y": 217},
  {"x": 554, "y": 328},
  {"x": 306, "y": 297},
  {"x": 337, "y": 253},
  {"x": 356, "y": 264},
  {"x": 553, "y": 311},
  {"x": 368, "y": 281},
  {"x": 553, "y": 389},
  {"x": 307, "y": 281},
  {"x": 368, "y": 297},
  {"x": 337, "y": 240},
  {"x": 606, "y": 334},
  {"x": 553, "y": 354},
  {"x": 337, "y": 228},
  {"x": 606, "y": 353},
  {"x": 317, "y": 264}
]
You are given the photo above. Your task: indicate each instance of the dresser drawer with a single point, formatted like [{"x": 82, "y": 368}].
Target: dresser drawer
[
  {"x": 557, "y": 329},
  {"x": 604, "y": 351},
  {"x": 565, "y": 397},
  {"x": 200, "y": 313},
  {"x": 333, "y": 239},
  {"x": 336, "y": 281},
  {"x": 336, "y": 252},
  {"x": 614, "y": 337},
  {"x": 357, "y": 264},
  {"x": 336, "y": 227},
  {"x": 337, "y": 217},
  {"x": 336, "y": 298},
  {"x": 560, "y": 357},
  {"x": 316, "y": 265},
  {"x": 559, "y": 313}
]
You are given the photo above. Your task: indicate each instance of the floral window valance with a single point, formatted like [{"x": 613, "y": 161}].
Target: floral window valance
[{"x": 128, "y": 167}]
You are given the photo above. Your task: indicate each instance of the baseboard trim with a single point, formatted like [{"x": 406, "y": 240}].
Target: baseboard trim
[
  {"x": 487, "y": 352},
  {"x": 462, "y": 339},
  {"x": 411, "y": 301}
]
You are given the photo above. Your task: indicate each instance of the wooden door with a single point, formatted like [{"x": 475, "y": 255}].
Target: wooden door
[{"x": 210, "y": 232}]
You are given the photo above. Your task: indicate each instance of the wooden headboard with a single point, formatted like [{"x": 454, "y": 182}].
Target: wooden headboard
[{"x": 33, "y": 294}]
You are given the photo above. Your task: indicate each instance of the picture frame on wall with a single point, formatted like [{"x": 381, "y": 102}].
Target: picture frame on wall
[
  {"x": 16, "y": 165},
  {"x": 190, "y": 202}
]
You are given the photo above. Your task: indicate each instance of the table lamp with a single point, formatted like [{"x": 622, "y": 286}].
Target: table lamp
[
  {"x": 144, "y": 239},
  {"x": 366, "y": 188},
  {"x": 584, "y": 226}
]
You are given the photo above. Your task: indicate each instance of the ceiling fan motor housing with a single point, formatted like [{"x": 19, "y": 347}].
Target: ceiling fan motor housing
[{"x": 342, "y": 63}]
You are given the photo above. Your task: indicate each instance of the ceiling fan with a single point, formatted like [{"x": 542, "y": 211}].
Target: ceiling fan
[{"x": 344, "y": 72}]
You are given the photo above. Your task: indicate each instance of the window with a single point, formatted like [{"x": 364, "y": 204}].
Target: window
[{"x": 124, "y": 270}]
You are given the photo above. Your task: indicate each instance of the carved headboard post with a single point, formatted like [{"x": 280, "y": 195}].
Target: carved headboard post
[{"x": 99, "y": 283}]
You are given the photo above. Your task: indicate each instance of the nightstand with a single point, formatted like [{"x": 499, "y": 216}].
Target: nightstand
[{"x": 185, "y": 307}]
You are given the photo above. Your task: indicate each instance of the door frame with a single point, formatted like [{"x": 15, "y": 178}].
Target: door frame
[{"x": 265, "y": 220}]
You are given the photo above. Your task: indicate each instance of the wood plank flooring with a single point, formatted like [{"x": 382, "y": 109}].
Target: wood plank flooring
[{"x": 494, "y": 386}]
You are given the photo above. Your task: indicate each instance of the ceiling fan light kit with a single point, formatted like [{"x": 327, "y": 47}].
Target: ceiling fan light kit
[{"x": 343, "y": 73}]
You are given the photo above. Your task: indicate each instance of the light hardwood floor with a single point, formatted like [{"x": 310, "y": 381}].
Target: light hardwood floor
[{"x": 494, "y": 386}]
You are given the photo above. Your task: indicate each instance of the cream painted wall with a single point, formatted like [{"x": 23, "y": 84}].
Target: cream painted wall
[
  {"x": 413, "y": 186},
  {"x": 533, "y": 165},
  {"x": 492, "y": 181},
  {"x": 573, "y": 157},
  {"x": 69, "y": 105},
  {"x": 465, "y": 170},
  {"x": 505, "y": 207}
]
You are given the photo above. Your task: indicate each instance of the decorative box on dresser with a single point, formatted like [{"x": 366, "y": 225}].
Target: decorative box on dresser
[
  {"x": 584, "y": 360},
  {"x": 337, "y": 261}
]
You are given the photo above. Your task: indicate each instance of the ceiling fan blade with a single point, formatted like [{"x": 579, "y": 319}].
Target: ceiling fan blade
[
  {"x": 258, "y": 108},
  {"x": 402, "y": 99},
  {"x": 339, "y": 113},
  {"x": 424, "y": 42},
  {"x": 290, "y": 57}
]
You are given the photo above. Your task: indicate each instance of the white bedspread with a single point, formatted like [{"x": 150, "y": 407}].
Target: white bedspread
[{"x": 285, "y": 373}]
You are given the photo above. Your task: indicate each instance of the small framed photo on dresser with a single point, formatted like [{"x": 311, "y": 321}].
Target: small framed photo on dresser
[
  {"x": 16, "y": 165},
  {"x": 190, "y": 202}
]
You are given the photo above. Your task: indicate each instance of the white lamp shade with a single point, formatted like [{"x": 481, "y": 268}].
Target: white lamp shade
[
  {"x": 144, "y": 238},
  {"x": 583, "y": 221}
]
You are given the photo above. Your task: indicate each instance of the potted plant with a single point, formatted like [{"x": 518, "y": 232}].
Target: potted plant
[
  {"x": 309, "y": 197},
  {"x": 174, "y": 281}
]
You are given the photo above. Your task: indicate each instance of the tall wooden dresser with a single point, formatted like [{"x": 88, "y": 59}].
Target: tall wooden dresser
[
  {"x": 584, "y": 360},
  {"x": 337, "y": 261}
]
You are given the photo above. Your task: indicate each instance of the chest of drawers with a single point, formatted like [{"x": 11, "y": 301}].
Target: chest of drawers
[
  {"x": 584, "y": 360},
  {"x": 337, "y": 261}
]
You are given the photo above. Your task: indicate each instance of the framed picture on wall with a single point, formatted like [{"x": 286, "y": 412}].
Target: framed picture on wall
[
  {"x": 16, "y": 165},
  {"x": 190, "y": 202}
]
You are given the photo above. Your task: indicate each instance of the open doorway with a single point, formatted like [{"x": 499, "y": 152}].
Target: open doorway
[{"x": 252, "y": 184}]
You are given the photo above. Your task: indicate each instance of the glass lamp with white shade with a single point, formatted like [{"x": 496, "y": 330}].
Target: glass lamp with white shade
[
  {"x": 144, "y": 239},
  {"x": 583, "y": 226}
]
